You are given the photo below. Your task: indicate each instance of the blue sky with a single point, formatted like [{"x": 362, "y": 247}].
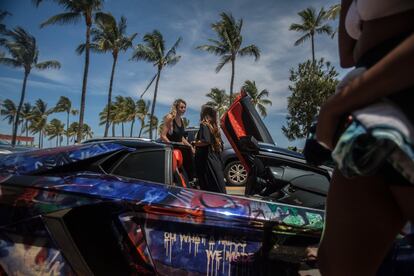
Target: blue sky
[{"x": 266, "y": 24}]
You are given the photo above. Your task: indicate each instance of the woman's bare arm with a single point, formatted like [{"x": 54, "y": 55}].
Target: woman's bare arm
[
  {"x": 345, "y": 42},
  {"x": 391, "y": 74}
]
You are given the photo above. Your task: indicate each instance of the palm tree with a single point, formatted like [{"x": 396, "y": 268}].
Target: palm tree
[
  {"x": 142, "y": 113},
  {"x": 38, "y": 120},
  {"x": 130, "y": 112},
  {"x": 103, "y": 117},
  {"x": 186, "y": 122},
  {"x": 120, "y": 115},
  {"x": 87, "y": 131},
  {"x": 108, "y": 36},
  {"x": 75, "y": 10},
  {"x": 55, "y": 129},
  {"x": 64, "y": 104},
  {"x": 26, "y": 114},
  {"x": 228, "y": 45},
  {"x": 9, "y": 111},
  {"x": 74, "y": 130},
  {"x": 153, "y": 51},
  {"x": 147, "y": 127},
  {"x": 24, "y": 53},
  {"x": 219, "y": 99},
  {"x": 258, "y": 98},
  {"x": 311, "y": 25}
]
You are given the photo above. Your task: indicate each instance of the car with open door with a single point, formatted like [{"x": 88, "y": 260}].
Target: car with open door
[
  {"x": 275, "y": 174},
  {"x": 119, "y": 207}
]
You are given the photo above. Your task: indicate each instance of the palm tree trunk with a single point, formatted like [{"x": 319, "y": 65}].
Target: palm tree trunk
[
  {"x": 110, "y": 95},
  {"x": 154, "y": 101},
  {"x": 67, "y": 128},
  {"x": 122, "y": 127},
  {"x": 40, "y": 140},
  {"x": 85, "y": 80},
  {"x": 132, "y": 127},
  {"x": 113, "y": 129},
  {"x": 233, "y": 65},
  {"x": 313, "y": 48},
  {"x": 27, "y": 131},
  {"x": 57, "y": 141},
  {"x": 19, "y": 108},
  {"x": 140, "y": 130}
]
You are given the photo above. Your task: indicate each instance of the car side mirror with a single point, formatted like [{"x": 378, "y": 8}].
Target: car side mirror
[{"x": 249, "y": 144}]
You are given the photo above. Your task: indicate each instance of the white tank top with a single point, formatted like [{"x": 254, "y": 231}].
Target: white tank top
[{"x": 364, "y": 10}]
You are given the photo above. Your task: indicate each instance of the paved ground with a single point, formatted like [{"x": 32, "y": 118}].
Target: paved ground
[{"x": 235, "y": 190}]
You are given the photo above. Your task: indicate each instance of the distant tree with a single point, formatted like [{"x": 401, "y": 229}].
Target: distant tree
[
  {"x": 147, "y": 127},
  {"x": 311, "y": 84},
  {"x": 258, "y": 98},
  {"x": 23, "y": 54},
  {"x": 185, "y": 121},
  {"x": 219, "y": 99},
  {"x": 38, "y": 120},
  {"x": 103, "y": 117},
  {"x": 311, "y": 24},
  {"x": 130, "y": 112},
  {"x": 26, "y": 114},
  {"x": 109, "y": 36},
  {"x": 153, "y": 51},
  {"x": 65, "y": 105},
  {"x": 9, "y": 111},
  {"x": 228, "y": 45},
  {"x": 55, "y": 129},
  {"x": 142, "y": 113},
  {"x": 75, "y": 10},
  {"x": 74, "y": 129}
]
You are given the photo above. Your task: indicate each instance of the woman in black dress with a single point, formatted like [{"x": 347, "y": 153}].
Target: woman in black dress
[
  {"x": 173, "y": 129},
  {"x": 207, "y": 154}
]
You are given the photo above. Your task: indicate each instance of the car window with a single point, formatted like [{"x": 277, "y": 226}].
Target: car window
[{"x": 145, "y": 165}]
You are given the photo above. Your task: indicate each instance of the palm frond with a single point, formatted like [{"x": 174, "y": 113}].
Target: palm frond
[
  {"x": 48, "y": 64},
  {"x": 10, "y": 62},
  {"x": 251, "y": 50},
  {"x": 218, "y": 51},
  {"x": 143, "y": 52},
  {"x": 62, "y": 19},
  {"x": 223, "y": 61},
  {"x": 302, "y": 39}
]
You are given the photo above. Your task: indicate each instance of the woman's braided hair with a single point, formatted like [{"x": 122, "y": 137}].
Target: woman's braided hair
[{"x": 208, "y": 117}]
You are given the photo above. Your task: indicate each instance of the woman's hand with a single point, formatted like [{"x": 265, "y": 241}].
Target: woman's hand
[{"x": 328, "y": 121}]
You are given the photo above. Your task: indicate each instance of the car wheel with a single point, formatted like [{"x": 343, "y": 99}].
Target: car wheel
[{"x": 235, "y": 174}]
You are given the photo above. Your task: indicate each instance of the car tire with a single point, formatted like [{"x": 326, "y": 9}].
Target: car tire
[{"x": 235, "y": 174}]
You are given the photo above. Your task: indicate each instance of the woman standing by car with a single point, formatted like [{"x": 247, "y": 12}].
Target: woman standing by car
[
  {"x": 366, "y": 212},
  {"x": 207, "y": 155},
  {"x": 173, "y": 129}
]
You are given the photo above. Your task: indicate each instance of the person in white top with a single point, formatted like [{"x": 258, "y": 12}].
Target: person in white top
[{"x": 365, "y": 213}]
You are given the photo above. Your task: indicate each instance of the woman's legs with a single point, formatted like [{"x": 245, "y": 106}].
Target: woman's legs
[{"x": 362, "y": 220}]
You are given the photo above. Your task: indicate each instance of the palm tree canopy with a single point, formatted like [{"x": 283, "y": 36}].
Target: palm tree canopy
[
  {"x": 311, "y": 23},
  {"x": 333, "y": 12},
  {"x": 219, "y": 99},
  {"x": 23, "y": 51},
  {"x": 229, "y": 42},
  {"x": 8, "y": 110},
  {"x": 108, "y": 36},
  {"x": 39, "y": 116},
  {"x": 64, "y": 104},
  {"x": 153, "y": 50},
  {"x": 75, "y": 9},
  {"x": 258, "y": 98},
  {"x": 55, "y": 129}
]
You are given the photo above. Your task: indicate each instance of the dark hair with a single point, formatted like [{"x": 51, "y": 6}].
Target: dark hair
[{"x": 208, "y": 117}]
